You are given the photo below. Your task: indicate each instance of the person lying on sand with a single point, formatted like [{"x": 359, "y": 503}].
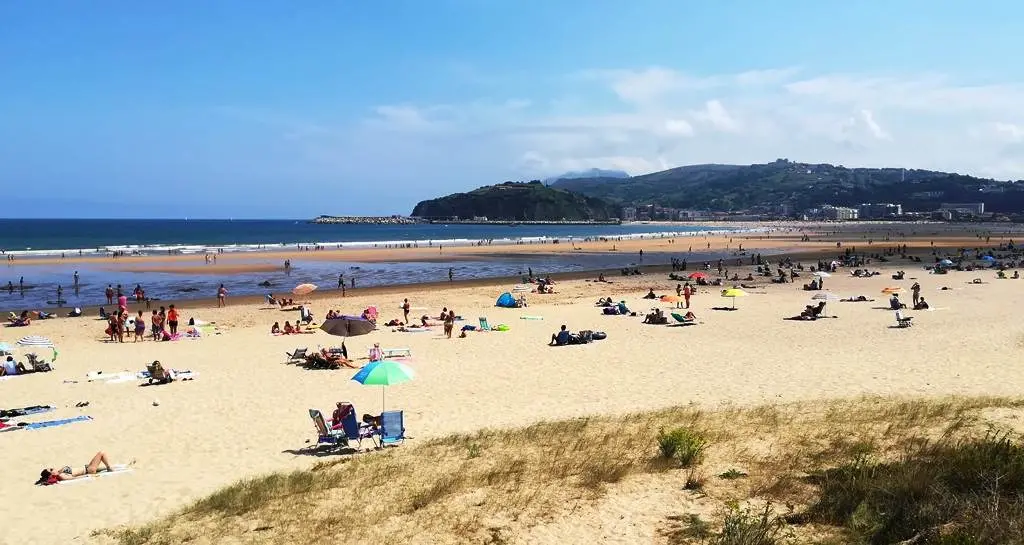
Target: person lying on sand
[
  {"x": 857, "y": 299},
  {"x": 53, "y": 476},
  {"x": 336, "y": 359}
]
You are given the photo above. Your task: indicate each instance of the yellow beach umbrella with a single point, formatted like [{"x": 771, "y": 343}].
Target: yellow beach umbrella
[{"x": 733, "y": 293}]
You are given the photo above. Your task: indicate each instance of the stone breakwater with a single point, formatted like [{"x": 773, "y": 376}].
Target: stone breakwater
[{"x": 373, "y": 220}]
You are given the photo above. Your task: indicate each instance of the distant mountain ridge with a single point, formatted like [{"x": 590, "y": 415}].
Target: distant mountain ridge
[
  {"x": 589, "y": 173},
  {"x": 800, "y": 186},
  {"x": 518, "y": 201}
]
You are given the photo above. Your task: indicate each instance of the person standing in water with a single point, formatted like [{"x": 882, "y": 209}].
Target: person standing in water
[
  {"x": 76, "y": 280},
  {"x": 60, "y": 295},
  {"x": 451, "y": 274},
  {"x": 222, "y": 294}
]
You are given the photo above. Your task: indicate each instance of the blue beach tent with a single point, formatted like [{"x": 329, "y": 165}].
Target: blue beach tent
[{"x": 506, "y": 300}]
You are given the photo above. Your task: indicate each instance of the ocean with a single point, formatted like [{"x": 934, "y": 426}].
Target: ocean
[{"x": 38, "y": 238}]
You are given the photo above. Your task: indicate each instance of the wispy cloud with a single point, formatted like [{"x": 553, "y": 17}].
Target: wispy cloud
[{"x": 652, "y": 118}]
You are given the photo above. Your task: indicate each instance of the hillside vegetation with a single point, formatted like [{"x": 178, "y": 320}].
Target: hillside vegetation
[
  {"x": 856, "y": 471},
  {"x": 798, "y": 185},
  {"x": 512, "y": 201}
]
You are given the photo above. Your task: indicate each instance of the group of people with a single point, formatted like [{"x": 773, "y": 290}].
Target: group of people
[
  {"x": 288, "y": 328},
  {"x": 163, "y": 324}
]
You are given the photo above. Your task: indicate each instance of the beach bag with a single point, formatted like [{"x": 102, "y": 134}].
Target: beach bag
[
  {"x": 586, "y": 336},
  {"x": 599, "y": 335}
]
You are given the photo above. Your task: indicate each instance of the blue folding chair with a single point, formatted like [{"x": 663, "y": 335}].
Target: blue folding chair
[
  {"x": 354, "y": 431},
  {"x": 392, "y": 428}
]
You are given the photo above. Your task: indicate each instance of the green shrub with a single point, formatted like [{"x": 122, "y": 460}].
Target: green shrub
[
  {"x": 748, "y": 527},
  {"x": 682, "y": 444},
  {"x": 964, "y": 492}
]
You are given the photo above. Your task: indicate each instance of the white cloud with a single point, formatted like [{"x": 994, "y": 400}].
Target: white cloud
[
  {"x": 654, "y": 118},
  {"x": 876, "y": 130}
]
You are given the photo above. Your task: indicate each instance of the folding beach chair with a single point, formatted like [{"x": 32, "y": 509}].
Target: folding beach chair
[
  {"x": 682, "y": 319},
  {"x": 355, "y": 431},
  {"x": 484, "y": 326},
  {"x": 38, "y": 364},
  {"x": 392, "y": 428},
  {"x": 396, "y": 352},
  {"x": 299, "y": 354},
  {"x": 903, "y": 321},
  {"x": 325, "y": 435}
]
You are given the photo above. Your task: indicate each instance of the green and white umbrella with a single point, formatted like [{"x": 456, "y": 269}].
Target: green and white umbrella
[
  {"x": 384, "y": 373},
  {"x": 35, "y": 341}
]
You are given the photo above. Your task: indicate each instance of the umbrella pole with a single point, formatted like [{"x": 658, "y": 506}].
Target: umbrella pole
[{"x": 382, "y": 399}]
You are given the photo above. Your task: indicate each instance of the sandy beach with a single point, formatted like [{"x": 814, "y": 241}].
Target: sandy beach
[{"x": 246, "y": 412}]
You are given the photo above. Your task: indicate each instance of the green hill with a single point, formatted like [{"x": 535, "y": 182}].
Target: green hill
[
  {"x": 798, "y": 185},
  {"x": 512, "y": 201}
]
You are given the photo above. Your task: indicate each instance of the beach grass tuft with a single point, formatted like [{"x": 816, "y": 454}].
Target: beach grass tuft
[{"x": 828, "y": 462}]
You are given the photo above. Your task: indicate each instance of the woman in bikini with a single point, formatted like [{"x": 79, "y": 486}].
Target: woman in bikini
[{"x": 67, "y": 473}]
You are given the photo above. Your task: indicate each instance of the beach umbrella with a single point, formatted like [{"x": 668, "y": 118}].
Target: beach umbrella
[
  {"x": 733, "y": 293},
  {"x": 348, "y": 326},
  {"x": 696, "y": 275},
  {"x": 303, "y": 289},
  {"x": 825, "y": 297},
  {"x": 35, "y": 341},
  {"x": 891, "y": 290},
  {"x": 822, "y": 274},
  {"x": 383, "y": 373},
  {"x": 5, "y": 348}
]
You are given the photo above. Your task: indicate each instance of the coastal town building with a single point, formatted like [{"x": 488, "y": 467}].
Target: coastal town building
[
  {"x": 876, "y": 211},
  {"x": 970, "y": 208}
]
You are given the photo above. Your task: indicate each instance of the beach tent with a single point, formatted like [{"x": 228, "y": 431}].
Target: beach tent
[{"x": 505, "y": 300}]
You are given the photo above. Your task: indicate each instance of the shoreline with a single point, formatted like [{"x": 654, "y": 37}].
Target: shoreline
[{"x": 784, "y": 241}]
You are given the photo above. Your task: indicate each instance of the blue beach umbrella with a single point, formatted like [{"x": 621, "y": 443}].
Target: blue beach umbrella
[{"x": 383, "y": 373}]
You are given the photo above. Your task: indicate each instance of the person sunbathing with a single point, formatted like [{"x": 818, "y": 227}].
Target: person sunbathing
[
  {"x": 857, "y": 299},
  {"x": 53, "y": 476},
  {"x": 288, "y": 329},
  {"x": 336, "y": 359},
  {"x": 20, "y": 321},
  {"x": 11, "y": 367},
  {"x": 275, "y": 329}
]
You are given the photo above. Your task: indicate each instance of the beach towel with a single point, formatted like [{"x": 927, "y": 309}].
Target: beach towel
[
  {"x": 55, "y": 423},
  {"x": 97, "y": 376},
  {"x": 531, "y": 317},
  {"x": 24, "y": 411}
]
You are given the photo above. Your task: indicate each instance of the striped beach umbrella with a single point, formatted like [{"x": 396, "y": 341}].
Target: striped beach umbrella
[{"x": 35, "y": 341}]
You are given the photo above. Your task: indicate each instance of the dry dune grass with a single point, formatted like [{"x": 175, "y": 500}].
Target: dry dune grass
[{"x": 486, "y": 487}]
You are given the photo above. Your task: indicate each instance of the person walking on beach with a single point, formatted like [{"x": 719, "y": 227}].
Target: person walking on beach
[
  {"x": 405, "y": 310},
  {"x": 341, "y": 281},
  {"x": 449, "y": 323},
  {"x": 687, "y": 292},
  {"x": 140, "y": 327},
  {"x": 172, "y": 319},
  {"x": 110, "y": 294},
  {"x": 222, "y": 294}
]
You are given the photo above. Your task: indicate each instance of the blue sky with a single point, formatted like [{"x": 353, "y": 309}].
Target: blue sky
[{"x": 293, "y": 109}]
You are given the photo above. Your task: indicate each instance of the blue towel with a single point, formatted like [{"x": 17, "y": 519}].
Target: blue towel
[{"x": 52, "y": 423}]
